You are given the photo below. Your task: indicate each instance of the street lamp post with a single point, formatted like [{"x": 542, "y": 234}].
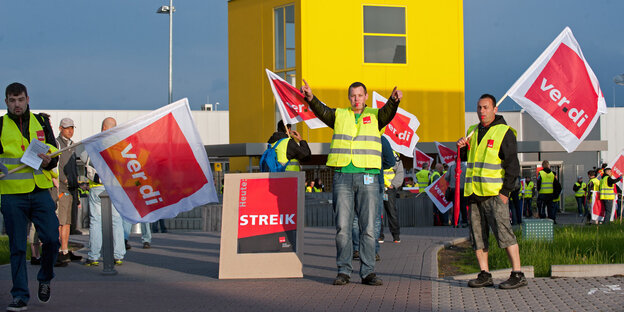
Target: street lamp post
[{"x": 169, "y": 10}]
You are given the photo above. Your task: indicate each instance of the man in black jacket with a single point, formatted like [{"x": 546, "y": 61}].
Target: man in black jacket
[
  {"x": 492, "y": 171},
  {"x": 296, "y": 150}
]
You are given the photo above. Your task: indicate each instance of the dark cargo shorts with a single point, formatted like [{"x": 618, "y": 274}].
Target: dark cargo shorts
[{"x": 491, "y": 213}]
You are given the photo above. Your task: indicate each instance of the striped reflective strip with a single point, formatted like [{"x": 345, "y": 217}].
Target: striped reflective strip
[
  {"x": 346, "y": 151},
  {"x": 19, "y": 176},
  {"x": 483, "y": 180},
  {"x": 342, "y": 137},
  {"x": 10, "y": 161},
  {"x": 368, "y": 138},
  {"x": 483, "y": 165}
]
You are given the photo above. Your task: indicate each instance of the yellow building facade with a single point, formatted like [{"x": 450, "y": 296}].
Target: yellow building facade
[{"x": 415, "y": 45}]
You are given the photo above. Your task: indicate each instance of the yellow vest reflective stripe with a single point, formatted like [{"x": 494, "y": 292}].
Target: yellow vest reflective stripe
[
  {"x": 24, "y": 180},
  {"x": 595, "y": 184},
  {"x": 606, "y": 192},
  {"x": 280, "y": 151},
  {"x": 389, "y": 173},
  {"x": 581, "y": 191},
  {"x": 484, "y": 171},
  {"x": 547, "y": 182},
  {"x": 422, "y": 177},
  {"x": 528, "y": 192},
  {"x": 358, "y": 143},
  {"x": 557, "y": 199}
]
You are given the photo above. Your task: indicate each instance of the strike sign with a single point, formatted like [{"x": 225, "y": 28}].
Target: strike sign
[
  {"x": 436, "y": 191},
  {"x": 561, "y": 92},
  {"x": 447, "y": 155},
  {"x": 421, "y": 158},
  {"x": 617, "y": 167}
]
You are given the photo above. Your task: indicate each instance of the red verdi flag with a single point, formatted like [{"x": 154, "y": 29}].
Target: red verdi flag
[
  {"x": 420, "y": 158},
  {"x": 617, "y": 167},
  {"x": 447, "y": 155},
  {"x": 401, "y": 131},
  {"x": 155, "y": 166},
  {"x": 436, "y": 191},
  {"x": 561, "y": 92},
  {"x": 291, "y": 103}
]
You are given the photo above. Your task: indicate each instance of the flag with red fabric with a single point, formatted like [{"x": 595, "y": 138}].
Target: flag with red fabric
[
  {"x": 561, "y": 92},
  {"x": 447, "y": 155},
  {"x": 401, "y": 131},
  {"x": 421, "y": 158},
  {"x": 436, "y": 191},
  {"x": 291, "y": 104},
  {"x": 617, "y": 167},
  {"x": 155, "y": 166}
]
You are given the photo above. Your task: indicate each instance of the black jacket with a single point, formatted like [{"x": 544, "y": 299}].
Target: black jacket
[
  {"x": 508, "y": 153},
  {"x": 299, "y": 151}
]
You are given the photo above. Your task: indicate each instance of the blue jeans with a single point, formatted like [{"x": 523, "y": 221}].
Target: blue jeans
[
  {"x": 18, "y": 210},
  {"x": 146, "y": 232},
  {"x": 352, "y": 197},
  {"x": 356, "y": 230},
  {"x": 580, "y": 205},
  {"x": 95, "y": 227}
]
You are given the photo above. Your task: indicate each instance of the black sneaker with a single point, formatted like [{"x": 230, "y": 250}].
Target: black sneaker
[
  {"x": 127, "y": 245},
  {"x": 90, "y": 262},
  {"x": 377, "y": 257},
  {"x": 356, "y": 255},
  {"x": 60, "y": 262},
  {"x": 17, "y": 305},
  {"x": 342, "y": 279},
  {"x": 372, "y": 279},
  {"x": 63, "y": 257},
  {"x": 516, "y": 280},
  {"x": 44, "y": 292},
  {"x": 147, "y": 245},
  {"x": 483, "y": 279},
  {"x": 73, "y": 257},
  {"x": 35, "y": 261}
]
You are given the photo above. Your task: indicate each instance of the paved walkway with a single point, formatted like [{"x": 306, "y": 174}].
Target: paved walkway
[{"x": 180, "y": 273}]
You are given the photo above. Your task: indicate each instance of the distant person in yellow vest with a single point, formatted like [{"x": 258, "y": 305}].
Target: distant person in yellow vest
[
  {"x": 593, "y": 186},
  {"x": 409, "y": 182},
  {"x": 492, "y": 170},
  {"x": 607, "y": 193},
  {"x": 25, "y": 196},
  {"x": 355, "y": 154},
  {"x": 422, "y": 177},
  {"x": 318, "y": 186},
  {"x": 294, "y": 148},
  {"x": 310, "y": 187},
  {"x": 580, "y": 190},
  {"x": 545, "y": 181},
  {"x": 529, "y": 187}
]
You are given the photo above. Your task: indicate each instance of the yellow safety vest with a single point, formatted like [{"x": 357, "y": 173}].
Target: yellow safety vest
[
  {"x": 528, "y": 191},
  {"x": 422, "y": 177},
  {"x": 280, "y": 151},
  {"x": 317, "y": 190},
  {"x": 606, "y": 192},
  {"x": 24, "y": 180},
  {"x": 581, "y": 191},
  {"x": 557, "y": 199},
  {"x": 358, "y": 143},
  {"x": 389, "y": 174},
  {"x": 484, "y": 171},
  {"x": 547, "y": 182},
  {"x": 434, "y": 176},
  {"x": 309, "y": 189},
  {"x": 595, "y": 184}
]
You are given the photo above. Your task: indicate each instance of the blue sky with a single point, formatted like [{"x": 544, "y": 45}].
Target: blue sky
[{"x": 78, "y": 54}]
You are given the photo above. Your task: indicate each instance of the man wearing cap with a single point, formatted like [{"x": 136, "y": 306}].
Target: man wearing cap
[{"x": 68, "y": 184}]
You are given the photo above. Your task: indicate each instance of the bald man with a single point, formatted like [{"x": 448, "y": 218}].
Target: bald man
[{"x": 95, "y": 217}]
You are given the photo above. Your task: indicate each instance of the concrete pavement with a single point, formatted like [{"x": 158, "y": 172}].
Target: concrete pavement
[{"x": 180, "y": 273}]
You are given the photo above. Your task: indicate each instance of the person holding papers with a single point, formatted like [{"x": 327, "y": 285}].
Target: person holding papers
[{"x": 25, "y": 196}]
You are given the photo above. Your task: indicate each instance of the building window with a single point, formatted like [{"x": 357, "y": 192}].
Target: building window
[
  {"x": 385, "y": 38},
  {"x": 285, "y": 42}
]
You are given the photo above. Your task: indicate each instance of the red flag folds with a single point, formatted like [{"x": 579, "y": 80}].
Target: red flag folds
[
  {"x": 420, "y": 158},
  {"x": 561, "y": 92},
  {"x": 436, "y": 191},
  {"x": 446, "y": 154},
  {"x": 401, "y": 131},
  {"x": 291, "y": 103}
]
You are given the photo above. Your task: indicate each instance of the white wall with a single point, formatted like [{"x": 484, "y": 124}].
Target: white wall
[{"x": 213, "y": 126}]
